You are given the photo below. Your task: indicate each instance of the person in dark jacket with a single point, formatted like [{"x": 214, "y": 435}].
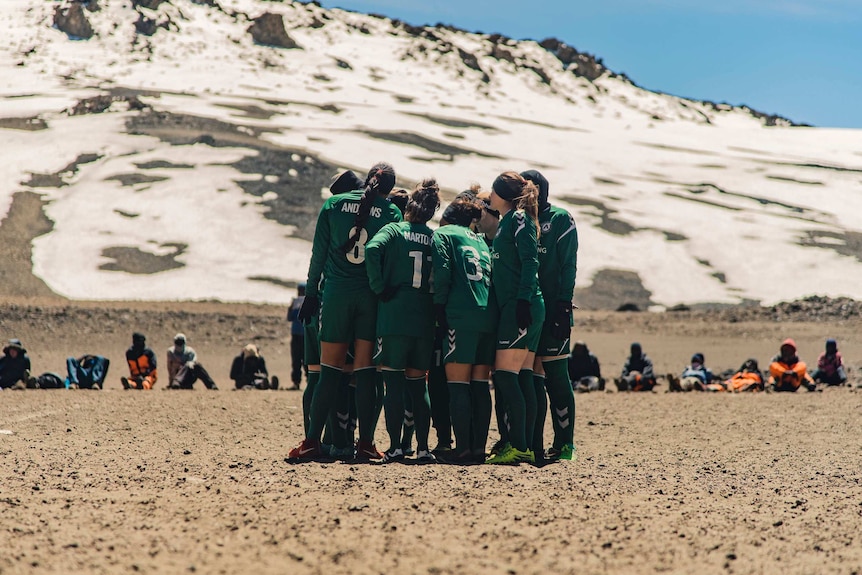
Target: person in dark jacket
[
  {"x": 248, "y": 370},
  {"x": 638, "y": 373},
  {"x": 142, "y": 365},
  {"x": 584, "y": 370},
  {"x": 14, "y": 366},
  {"x": 297, "y": 338}
]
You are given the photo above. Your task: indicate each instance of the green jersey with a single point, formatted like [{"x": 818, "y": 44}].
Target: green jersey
[
  {"x": 558, "y": 255},
  {"x": 516, "y": 259},
  {"x": 462, "y": 278},
  {"x": 399, "y": 257},
  {"x": 344, "y": 272}
]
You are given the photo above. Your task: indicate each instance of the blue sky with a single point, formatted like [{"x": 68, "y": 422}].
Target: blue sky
[{"x": 801, "y": 59}]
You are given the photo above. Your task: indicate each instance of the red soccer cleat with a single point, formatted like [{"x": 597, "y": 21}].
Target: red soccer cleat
[
  {"x": 367, "y": 450},
  {"x": 307, "y": 450}
]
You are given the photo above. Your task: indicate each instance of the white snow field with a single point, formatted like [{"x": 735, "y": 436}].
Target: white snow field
[{"x": 705, "y": 202}]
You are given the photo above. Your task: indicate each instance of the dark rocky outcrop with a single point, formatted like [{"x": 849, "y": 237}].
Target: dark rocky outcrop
[
  {"x": 151, "y": 4},
  {"x": 580, "y": 63},
  {"x": 72, "y": 20},
  {"x": 148, "y": 26},
  {"x": 268, "y": 29}
]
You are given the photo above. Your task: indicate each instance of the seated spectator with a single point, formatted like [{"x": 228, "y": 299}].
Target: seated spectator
[
  {"x": 248, "y": 370},
  {"x": 584, "y": 370},
  {"x": 86, "y": 372},
  {"x": 696, "y": 376},
  {"x": 787, "y": 372},
  {"x": 748, "y": 378},
  {"x": 184, "y": 369},
  {"x": 830, "y": 366},
  {"x": 14, "y": 366},
  {"x": 142, "y": 365},
  {"x": 638, "y": 373}
]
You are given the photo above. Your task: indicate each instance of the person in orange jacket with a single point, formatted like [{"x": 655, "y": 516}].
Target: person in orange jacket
[
  {"x": 142, "y": 365},
  {"x": 787, "y": 372}
]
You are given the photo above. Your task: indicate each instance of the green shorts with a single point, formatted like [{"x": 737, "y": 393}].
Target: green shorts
[
  {"x": 348, "y": 317},
  {"x": 549, "y": 346},
  {"x": 470, "y": 347},
  {"x": 400, "y": 352},
  {"x": 508, "y": 334}
]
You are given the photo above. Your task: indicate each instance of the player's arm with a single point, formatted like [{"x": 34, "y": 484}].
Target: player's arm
[
  {"x": 375, "y": 251},
  {"x": 527, "y": 244},
  {"x": 567, "y": 252},
  {"x": 319, "y": 250},
  {"x": 441, "y": 266}
]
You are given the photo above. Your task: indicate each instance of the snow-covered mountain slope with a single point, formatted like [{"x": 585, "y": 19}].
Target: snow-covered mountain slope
[{"x": 189, "y": 163}]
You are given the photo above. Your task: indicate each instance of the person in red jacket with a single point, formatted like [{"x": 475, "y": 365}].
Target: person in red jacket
[
  {"x": 787, "y": 372},
  {"x": 830, "y": 366}
]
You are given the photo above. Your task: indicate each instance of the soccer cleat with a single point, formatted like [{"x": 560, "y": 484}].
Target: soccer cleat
[
  {"x": 213, "y": 387},
  {"x": 342, "y": 453},
  {"x": 308, "y": 449},
  {"x": 125, "y": 382},
  {"x": 512, "y": 456},
  {"x": 393, "y": 456},
  {"x": 442, "y": 449},
  {"x": 424, "y": 457},
  {"x": 452, "y": 458},
  {"x": 565, "y": 453},
  {"x": 367, "y": 450},
  {"x": 499, "y": 447},
  {"x": 273, "y": 383}
]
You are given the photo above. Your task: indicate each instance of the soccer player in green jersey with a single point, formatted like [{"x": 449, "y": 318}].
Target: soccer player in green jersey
[
  {"x": 349, "y": 314},
  {"x": 399, "y": 272},
  {"x": 462, "y": 285},
  {"x": 558, "y": 266},
  {"x": 522, "y": 311}
]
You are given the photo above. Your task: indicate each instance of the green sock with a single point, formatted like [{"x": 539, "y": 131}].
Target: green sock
[
  {"x": 324, "y": 397},
  {"x": 500, "y": 412},
  {"x": 338, "y": 426},
  {"x": 438, "y": 393},
  {"x": 409, "y": 428},
  {"x": 480, "y": 400},
  {"x": 460, "y": 411},
  {"x": 379, "y": 395},
  {"x": 366, "y": 402},
  {"x": 562, "y": 401},
  {"x": 352, "y": 419},
  {"x": 525, "y": 382},
  {"x": 516, "y": 408},
  {"x": 394, "y": 406},
  {"x": 421, "y": 410},
  {"x": 312, "y": 378},
  {"x": 538, "y": 444}
]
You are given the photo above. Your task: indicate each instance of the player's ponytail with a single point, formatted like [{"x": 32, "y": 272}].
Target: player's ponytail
[
  {"x": 424, "y": 202},
  {"x": 379, "y": 182}
]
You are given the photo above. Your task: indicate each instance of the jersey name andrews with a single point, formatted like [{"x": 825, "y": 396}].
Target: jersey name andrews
[
  {"x": 417, "y": 237},
  {"x": 353, "y": 208}
]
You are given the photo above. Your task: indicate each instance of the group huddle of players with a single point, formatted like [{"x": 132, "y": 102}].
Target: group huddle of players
[{"x": 491, "y": 289}]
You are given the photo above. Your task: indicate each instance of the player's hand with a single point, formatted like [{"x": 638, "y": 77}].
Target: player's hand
[
  {"x": 522, "y": 314},
  {"x": 388, "y": 293},
  {"x": 309, "y": 309},
  {"x": 561, "y": 320}
]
